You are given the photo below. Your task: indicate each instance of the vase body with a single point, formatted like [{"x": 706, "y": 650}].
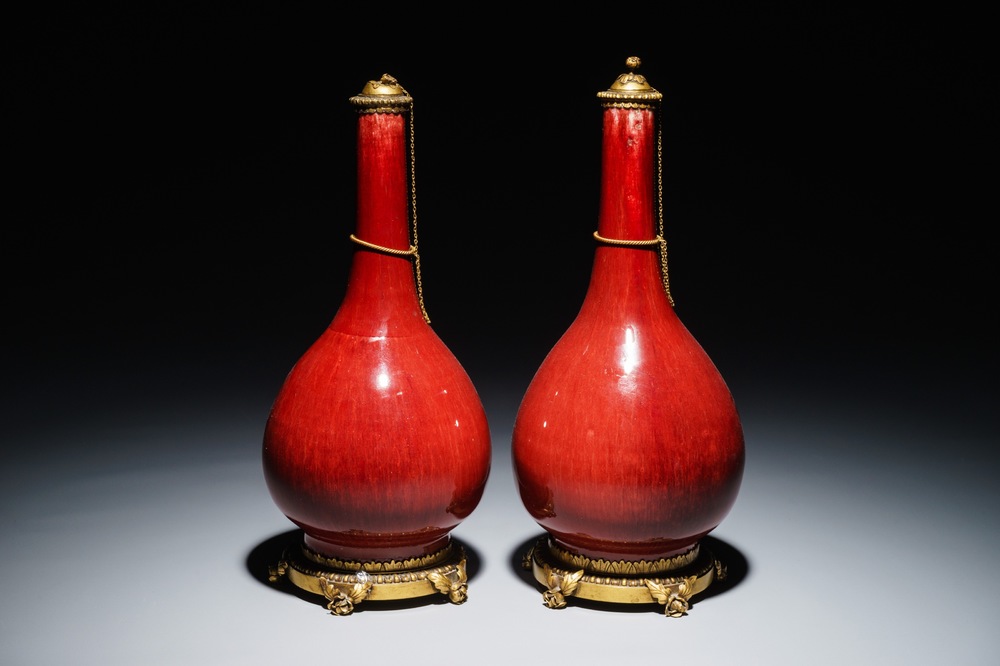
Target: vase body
[
  {"x": 377, "y": 444},
  {"x": 627, "y": 444}
]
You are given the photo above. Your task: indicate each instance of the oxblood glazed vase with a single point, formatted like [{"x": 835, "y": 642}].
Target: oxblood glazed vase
[
  {"x": 377, "y": 445},
  {"x": 627, "y": 446}
]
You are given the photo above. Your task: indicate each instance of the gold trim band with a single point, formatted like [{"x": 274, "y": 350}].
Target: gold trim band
[
  {"x": 622, "y": 567},
  {"x": 412, "y": 251},
  {"x": 629, "y": 243},
  {"x": 408, "y": 564}
]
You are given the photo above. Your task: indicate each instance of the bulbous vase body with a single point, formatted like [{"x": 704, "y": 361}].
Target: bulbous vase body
[
  {"x": 627, "y": 444},
  {"x": 377, "y": 444}
]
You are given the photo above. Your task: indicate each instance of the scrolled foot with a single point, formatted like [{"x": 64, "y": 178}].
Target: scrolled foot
[
  {"x": 453, "y": 584},
  {"x": 343, "y": 598},
  {"x": 675, "y": 597},
  {"x": 561, "y": 585},
  {"x": 526, "y": 560},
  {"x": 276, "y": 572}
]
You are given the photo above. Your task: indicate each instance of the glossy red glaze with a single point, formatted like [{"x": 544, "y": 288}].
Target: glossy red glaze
[
  {"x": 377, "y": 444},
  {"x": 627, "y": 444}
]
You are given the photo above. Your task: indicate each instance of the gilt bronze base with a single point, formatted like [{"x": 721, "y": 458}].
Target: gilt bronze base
[
  {"x": 345, "y": 584},
  {"x": 671, "y": 583}
]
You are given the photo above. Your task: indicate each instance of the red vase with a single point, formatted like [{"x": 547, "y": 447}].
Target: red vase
[
  {"x": 377, "y": 445},
  {"x": 627, "y": 446}
]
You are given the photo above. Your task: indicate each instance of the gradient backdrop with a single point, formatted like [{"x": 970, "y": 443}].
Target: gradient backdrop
[{"x": 179, "y": 193}]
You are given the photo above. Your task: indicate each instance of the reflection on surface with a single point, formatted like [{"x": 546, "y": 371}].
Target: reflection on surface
[{"x": 630, "y": 351}]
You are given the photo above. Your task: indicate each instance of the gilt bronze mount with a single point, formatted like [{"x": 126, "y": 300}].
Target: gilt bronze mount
[
  {"x": 669, "y": 582},
  {"x": 345, "y": 584}
]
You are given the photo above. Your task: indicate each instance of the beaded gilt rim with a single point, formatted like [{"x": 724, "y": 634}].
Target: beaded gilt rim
[{"x": 623, "y": 567}]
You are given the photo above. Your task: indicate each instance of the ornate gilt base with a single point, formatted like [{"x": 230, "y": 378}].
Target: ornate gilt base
[
  {"x": 346, "y": 584},
  {"x": 671, "y": 583}
]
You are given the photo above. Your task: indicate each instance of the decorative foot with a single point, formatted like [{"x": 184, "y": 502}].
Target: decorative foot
[
  {"x": 277, "y": 572},
  {"x": 561, "y": 585},
  {"x": 452, "y": 583},
  {"x": 675, "y": 596},
  {"x": 526, "y": 560},
  {"x": 344, "y": 597},
  {"x": 720, "y": 570}
]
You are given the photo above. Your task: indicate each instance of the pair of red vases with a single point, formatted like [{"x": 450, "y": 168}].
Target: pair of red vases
[{"x": 627, "y": 446}]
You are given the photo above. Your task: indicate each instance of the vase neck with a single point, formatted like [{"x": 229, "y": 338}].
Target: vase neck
[
  {"x": 627, "y": 206},
  {"x": 381, "y": 296},
  {"x": 383, "y": 211},
  {"x": 628, "y": 151}
]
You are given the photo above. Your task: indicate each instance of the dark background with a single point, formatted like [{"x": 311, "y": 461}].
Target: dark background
[
  {"x": 179, "y": 192},
  {"x": 181, "y": 188}
]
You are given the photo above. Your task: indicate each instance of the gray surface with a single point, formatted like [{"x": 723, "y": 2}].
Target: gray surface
[{"x": 857, "y": 538}]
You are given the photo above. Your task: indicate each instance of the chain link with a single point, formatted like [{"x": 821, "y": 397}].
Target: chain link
[
  {"x": 661, "y": 238},
  {"x": 413, "y": 213}
]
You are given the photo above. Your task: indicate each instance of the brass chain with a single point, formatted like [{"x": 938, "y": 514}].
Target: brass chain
[
  {"x": 659, "y": 205},
  {"x": 413, "y": 212}
]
